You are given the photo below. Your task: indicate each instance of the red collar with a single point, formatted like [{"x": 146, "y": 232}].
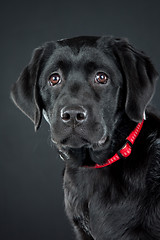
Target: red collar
[{"x": 125, "y": 151}]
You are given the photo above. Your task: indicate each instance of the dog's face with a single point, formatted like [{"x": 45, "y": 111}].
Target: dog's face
[
  {"x": 80, "y": 88},
  {"x": 83, "y": 86}
]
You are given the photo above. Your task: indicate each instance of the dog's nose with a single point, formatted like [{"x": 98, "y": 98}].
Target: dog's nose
[{"x": 73, "y": 115}]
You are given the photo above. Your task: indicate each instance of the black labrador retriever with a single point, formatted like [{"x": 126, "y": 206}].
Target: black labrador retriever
[{"x": 94, "y": 92}]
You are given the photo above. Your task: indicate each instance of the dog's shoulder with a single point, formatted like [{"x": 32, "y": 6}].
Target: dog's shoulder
[
  {"x": 152, "y": 131},
  {"x": 153, "y": 121}
]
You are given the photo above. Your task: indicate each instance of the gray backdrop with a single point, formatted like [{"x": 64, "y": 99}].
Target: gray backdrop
[{"x": 31, "y": 194}]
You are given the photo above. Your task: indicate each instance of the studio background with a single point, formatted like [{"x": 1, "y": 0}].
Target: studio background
[{"x": 31, "y": 194}]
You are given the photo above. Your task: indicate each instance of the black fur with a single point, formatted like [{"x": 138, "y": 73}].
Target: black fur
[{"x": 89, "y": 122}]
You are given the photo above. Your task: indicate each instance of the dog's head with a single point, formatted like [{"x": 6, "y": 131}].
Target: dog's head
[{"x": 83, "y": 86}]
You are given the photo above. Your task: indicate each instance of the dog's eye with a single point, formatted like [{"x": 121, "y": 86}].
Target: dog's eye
[
  {"x": 101, "y": 77},
  {"x": 54, "y": 79}
]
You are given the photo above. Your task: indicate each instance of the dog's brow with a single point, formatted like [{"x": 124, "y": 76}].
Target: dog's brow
[
  {"x": 91, "y": 66},
  {"x": 63, "y": 63}
]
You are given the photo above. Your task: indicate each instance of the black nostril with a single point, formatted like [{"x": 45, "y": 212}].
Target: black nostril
[
  {"x": 73, "y": 115},
  {"x": 80, "y": 116},
  {"x": 65, "y": 116}
]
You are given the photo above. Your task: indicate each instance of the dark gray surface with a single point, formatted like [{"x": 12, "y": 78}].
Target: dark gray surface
[{"x": 31, "y": 195}]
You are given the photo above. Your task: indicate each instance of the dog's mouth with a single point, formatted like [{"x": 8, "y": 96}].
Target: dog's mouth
[
  {"x": 76, "y": 141},
  {"x": 82, "y": 149},
  {"x": 82, "y": 146}
]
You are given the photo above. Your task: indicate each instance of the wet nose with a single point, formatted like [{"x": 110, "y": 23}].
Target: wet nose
[{"x": 73, "y": 115}]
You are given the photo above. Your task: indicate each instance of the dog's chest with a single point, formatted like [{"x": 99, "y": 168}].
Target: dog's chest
[
  {"x": 76, "y": 204},
  {"x": 86, "y": 203}
]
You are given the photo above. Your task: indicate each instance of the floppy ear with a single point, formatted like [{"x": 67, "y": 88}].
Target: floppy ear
[
  {"x": 24, "y": 92},
  {"x": 140, "y": 76}
]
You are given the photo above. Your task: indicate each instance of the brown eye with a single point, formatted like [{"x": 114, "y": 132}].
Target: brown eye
[
  {"x": 101, "y": 78},
  {"x": 54, "y": 79}
]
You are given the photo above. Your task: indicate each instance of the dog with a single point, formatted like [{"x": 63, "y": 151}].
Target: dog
[{"x": 95, "y": 93}]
